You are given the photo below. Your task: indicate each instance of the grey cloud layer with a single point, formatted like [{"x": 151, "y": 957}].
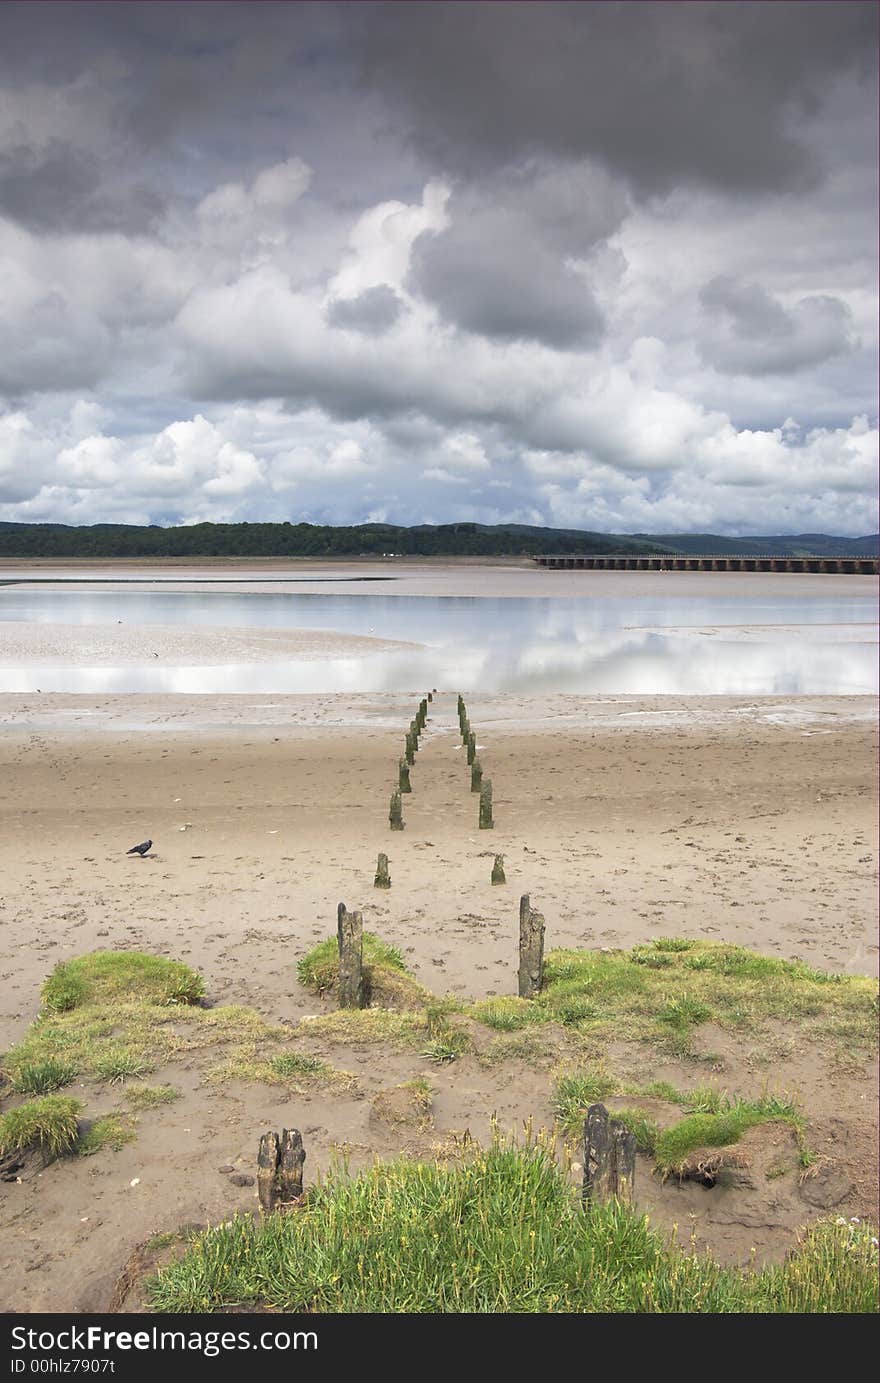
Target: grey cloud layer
[{"x": 573, "y": 263}]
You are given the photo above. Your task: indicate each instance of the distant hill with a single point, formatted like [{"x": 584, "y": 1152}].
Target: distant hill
[
  {"x": 304, "y": 540},
  {"x": 24, "y": 540},
  {"x": 786, "y": 545}
]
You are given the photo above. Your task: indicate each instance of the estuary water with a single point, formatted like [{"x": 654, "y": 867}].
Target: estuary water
[{"x": 668, "y": 643}]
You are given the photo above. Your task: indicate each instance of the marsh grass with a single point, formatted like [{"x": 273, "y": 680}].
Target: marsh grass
[
  {"x": 497, "y": 1231},
  {"x": 49, "y": 1123}
]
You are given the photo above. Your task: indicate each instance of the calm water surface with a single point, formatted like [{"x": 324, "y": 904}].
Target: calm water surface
[{"x": 790, "y": 645}]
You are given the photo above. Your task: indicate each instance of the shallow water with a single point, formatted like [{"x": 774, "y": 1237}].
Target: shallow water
[{"x": 764, "y": 646}]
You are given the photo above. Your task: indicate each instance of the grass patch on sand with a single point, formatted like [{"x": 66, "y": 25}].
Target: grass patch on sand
[
  {"x": 387, "y": 982},
  {"x": 496, "y": 1231},
  {"x": 42, "y": 1077},
  {"x": 713, "y": 1119},
  {"x": 662, "y": 992},
  {"x": 366, "y": 1027},
  {"x": 104, "y": 976},
  {"x": 109, "y": 1131},
  {"x": 150, "y": 1096},
  {"x": 49, "y": 1123},
  {"x": 129, "y": 1018}
]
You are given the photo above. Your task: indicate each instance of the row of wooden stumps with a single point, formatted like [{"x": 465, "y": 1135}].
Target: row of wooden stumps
[
  {"x": 411, "y": 748},
  {"x": 478, "y": 783}
]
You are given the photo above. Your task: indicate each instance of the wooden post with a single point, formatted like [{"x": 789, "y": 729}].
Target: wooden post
[
  {"x": 403, "y": 783},
  {"x": 350, "y": 935},
  {"x": 465, "y": 731},
  {"x": 290, "y": 1166},
  {"x": 471, "y": 748},
  {"x": 280, "y": 1170},
  {"x": 414, "y": 730},
  {"x": 498, "y": 870},
  {"x": 395, "y": 814},
  {"x": 476, "y": 775},
  {"x": 430, "y": 696},
  {"x": 609, "y": 1157},
  {"x": 486, "y": 822},
  {"x": 531, "y": 950},
  {"x": 383, "y": 878},
  {"x": 410, "y": 750},
  {"x": 267, "y": 1165},
  {"x": 423, "y": 712}
]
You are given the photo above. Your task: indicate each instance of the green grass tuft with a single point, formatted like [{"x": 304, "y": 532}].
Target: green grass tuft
[
  {"x": 149, "y": 1096},
  {"x": 108, "y": 976},
  {"x": 575, "y": 1092},
  {"x": 41, "y": 1077},
  {"x": 109, "y": 1131},
  {"x": 49, "y": 1123}
]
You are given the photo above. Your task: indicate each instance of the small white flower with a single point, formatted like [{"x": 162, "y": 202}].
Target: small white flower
[
  {"x": 840, "y": 1220},
  {"x": 855, "y": 1221}
]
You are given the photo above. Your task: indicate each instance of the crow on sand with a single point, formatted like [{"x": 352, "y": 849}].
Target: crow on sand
[{"x": 141, "y": 849}]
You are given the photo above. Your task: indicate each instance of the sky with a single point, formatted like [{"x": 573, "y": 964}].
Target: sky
[{"x": 609, "y": 266}]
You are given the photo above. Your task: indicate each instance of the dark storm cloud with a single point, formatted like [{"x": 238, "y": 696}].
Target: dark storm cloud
[
  {"x": 373, "y": 312},
  {"x": 759, "y": 336},
  {"x": 662, "y": 92},
  {"x": 500, "y": 268},
  {"x": 58, "y": 188}
]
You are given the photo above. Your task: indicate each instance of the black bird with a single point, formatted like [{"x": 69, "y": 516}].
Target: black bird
[{"x": 141, "y": 849}]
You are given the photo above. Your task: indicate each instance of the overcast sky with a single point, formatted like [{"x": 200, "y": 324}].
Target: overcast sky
[{"x": 595, "y": 265}]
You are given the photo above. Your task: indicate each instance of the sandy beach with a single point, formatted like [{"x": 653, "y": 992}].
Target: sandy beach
[{"x": 745, "y": 820}]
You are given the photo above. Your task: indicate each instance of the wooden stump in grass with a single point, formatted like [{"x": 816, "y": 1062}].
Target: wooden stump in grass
[
  {"x": 486, "y": 822},
  {"x": 476, "y": 775},
  {"x": 403, "y": 783},
  {"x": 531, "y": 950},
  {"x": 267, "y": 1166},
  {"x": 280, "y": 1170},
  {"x": 350, "y": 935},
  {"x": 498, "y": 870},
  {"x": 471, "y": 748},
  {"x": 609, "y": 1158},
  {"x": 395, "y": 814},
  {"x": 383, "y": 878}
]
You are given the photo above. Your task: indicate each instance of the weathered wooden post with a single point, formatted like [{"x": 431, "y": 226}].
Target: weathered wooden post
[
  {"x": 383, "y": 878},
  {"x": 430, "y": 696},
  {"x": 395, "y": 815},
  {"x": 476, "y": 775},
  {"x": 410, "y": 750},
  {"x": 498, "y": 870},
  {"x": 415, "y": 730},
  {"x": 471, "y": 748},
  {"x": 280, "y": 1170},
  {"x": 350, "y": 935},
  {"x": 531, "y": 950},
  {"x": 486, "y": 822},
  {"x": 403, "y": 783},
  {"x": 423, "y": 712},
  {"x": 465, "y": 730},
  {"x": 267, "y": 1166},
  {"x": 290, "y": 1166},
  {"x": 609, "y": 1157}
]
